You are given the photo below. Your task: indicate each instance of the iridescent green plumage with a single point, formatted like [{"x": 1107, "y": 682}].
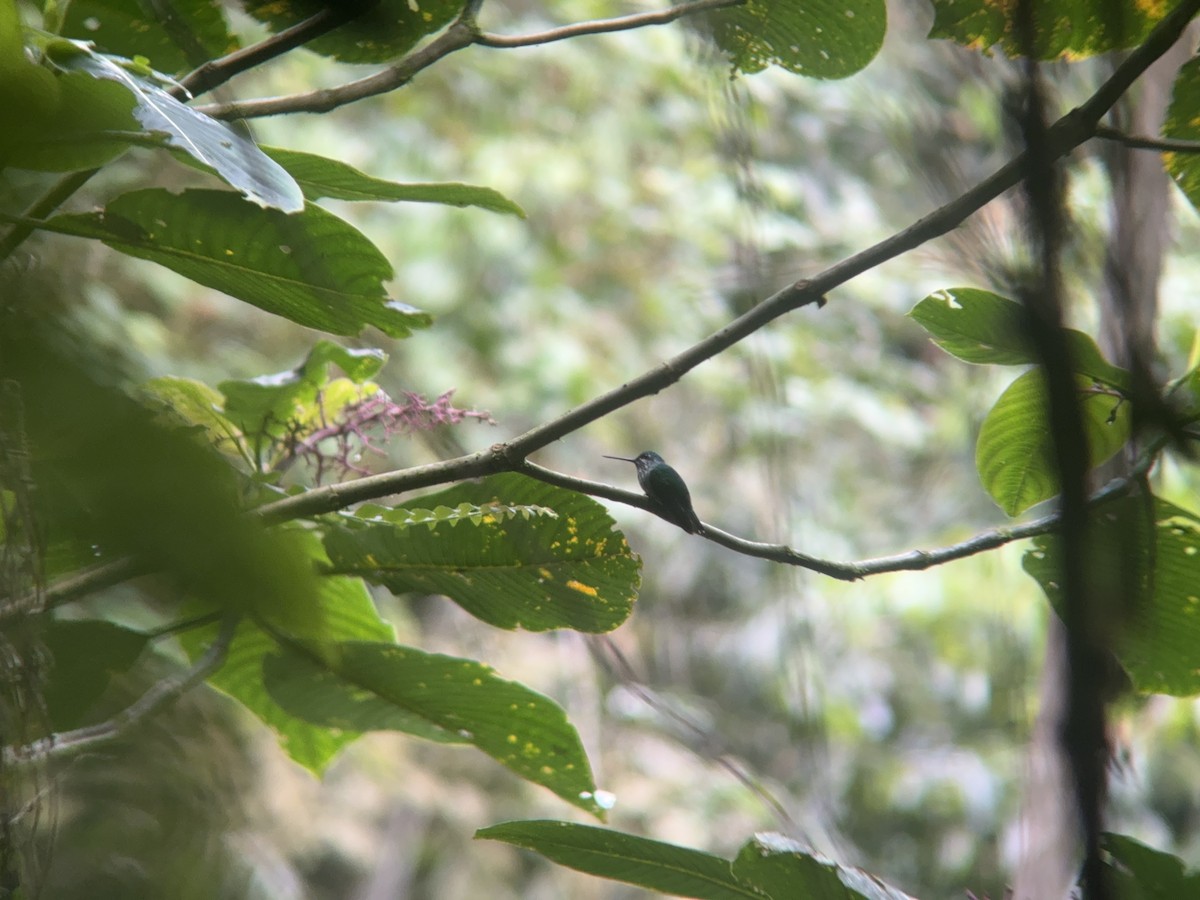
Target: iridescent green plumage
[{"x": 666, "y": 490}]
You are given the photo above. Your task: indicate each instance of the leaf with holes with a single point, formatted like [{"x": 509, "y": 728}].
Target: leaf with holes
[
  {"x": 310, "y": 267},
  {"x": 365, "y": 685},
  {"x": 817, "y": 38},
  {"x": 573, "y": 570}
]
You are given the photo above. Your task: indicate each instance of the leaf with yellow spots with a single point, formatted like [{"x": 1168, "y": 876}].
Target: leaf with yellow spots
[
  {"x": 571, "y": 569},
  {"x": 367, "y": 686}
]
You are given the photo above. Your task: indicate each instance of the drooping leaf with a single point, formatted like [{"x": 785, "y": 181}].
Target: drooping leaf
[
  {"x": 1157, "y": 639},
  {"x": 1063, "y": 28},
  {"x": 321, "y": 177},
  {"x": 1139, "y": 872},
  {"x": 569, "y": 571},
  {"x": 781, "y": 868},
  {"x": 817, "y": 38},
  {"x": 347, "y": 613},
  {"x": 123, "y": 27},
  {"x": 383, "y": 33},
  {"x": 213, "y": 144},
  {"x": 271, "y": 404},
  {"x": 658, "y": 866},
  {"x": 1014, "y": 454},
  {"x": 84, "y": 657},
  {"x": 385, "y": 686},
  {"x": 978, "y": 326},
  {"x": 310, "y": 267}
]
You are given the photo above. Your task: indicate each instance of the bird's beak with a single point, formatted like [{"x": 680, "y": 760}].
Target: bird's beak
[{"x": 622, "y": 458}]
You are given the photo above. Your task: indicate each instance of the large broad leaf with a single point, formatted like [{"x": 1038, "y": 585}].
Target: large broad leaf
[
  {"x": 1160, "y": 644},
  {"x": 679, "y": 871},
  {"x": 84, "y": 656},
  {"x": 981, "y": 327},
  {"x": 1063, "y": 28},
  {"x": 818, "y": 38},
  {"x": 126, "y": 28},
  {"x": 385, "y": 31},
  {"x": 347, "y": 613},
  {"x": 1183, "y": 123},
  {"x": 1139, "y": 872},
  {"x": 214, "y": 145},
  {"x": 311, "y": 267},
  {"x": 569, "y": 570},
  {"x": 782, "y": 868},
  {"x": 385, "y": 686},
  {"x": 1015, "y": 450},
  {"x": 275, "y": 404},
  {"x": 319, "y": 177}
]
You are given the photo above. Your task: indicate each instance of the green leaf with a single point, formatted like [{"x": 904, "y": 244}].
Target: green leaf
[
  {"x": 571, "y": 571},
  {"x": 321, "y": 177},
  {"x": 981, "y": 327},
  {"x": 383, "y": 33},
  {"x": 667, "y": 868},
  {"x": 1063, "y": 28},
  {"x": 310, "y": 267},
  {"x": 1014, "y": 454},
  {"x": 273, "y": 404},
  {"x": 123, "y": 27},
  {"x": 194, "y": 404},
  {"x": 215, "y": 145},
  {"x": 82, "y": 123},
  {"x": 347, "y": 613},
  {"x": 782, "y": 868},
  {"x": 389, "y": 686},
  {"x": 817, "y": 38},
  {"x": 1183, "y": 123},
  {"x": 85, "y": 655},
  {"x": 1139, "y": 872},
  {"x": 1160, "y": 645}
]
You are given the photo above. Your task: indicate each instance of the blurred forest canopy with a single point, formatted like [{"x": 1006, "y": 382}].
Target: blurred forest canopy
[{"x": 732, "y": 231}]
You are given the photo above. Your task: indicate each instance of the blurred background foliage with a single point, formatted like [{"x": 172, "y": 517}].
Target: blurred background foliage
[{"x": 884, "y": 722}]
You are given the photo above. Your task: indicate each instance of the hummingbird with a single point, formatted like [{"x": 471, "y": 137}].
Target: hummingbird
[{"x": 666, "y": 490}]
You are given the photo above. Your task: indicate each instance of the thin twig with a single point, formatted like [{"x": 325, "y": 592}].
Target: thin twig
[
  {"x": 460, "y": 34},
  {"x": 218, "y": 71},
  {"x": 1141, "y": 142},
  {"x": 158, "y": 697}
]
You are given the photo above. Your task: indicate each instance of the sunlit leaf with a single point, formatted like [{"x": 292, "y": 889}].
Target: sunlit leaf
[
  {"x": 658, "y": 866},
  {"x": 572, "y": 570},
  {"x": 385, "y": 686},
  {"x": 321, "y": 177},
  {"x": 978, "y": 326},
  {"x": 310, "y": 267},
  {"x": 1015, "y": 450},
  {"x": 1062, "y": 28}
]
